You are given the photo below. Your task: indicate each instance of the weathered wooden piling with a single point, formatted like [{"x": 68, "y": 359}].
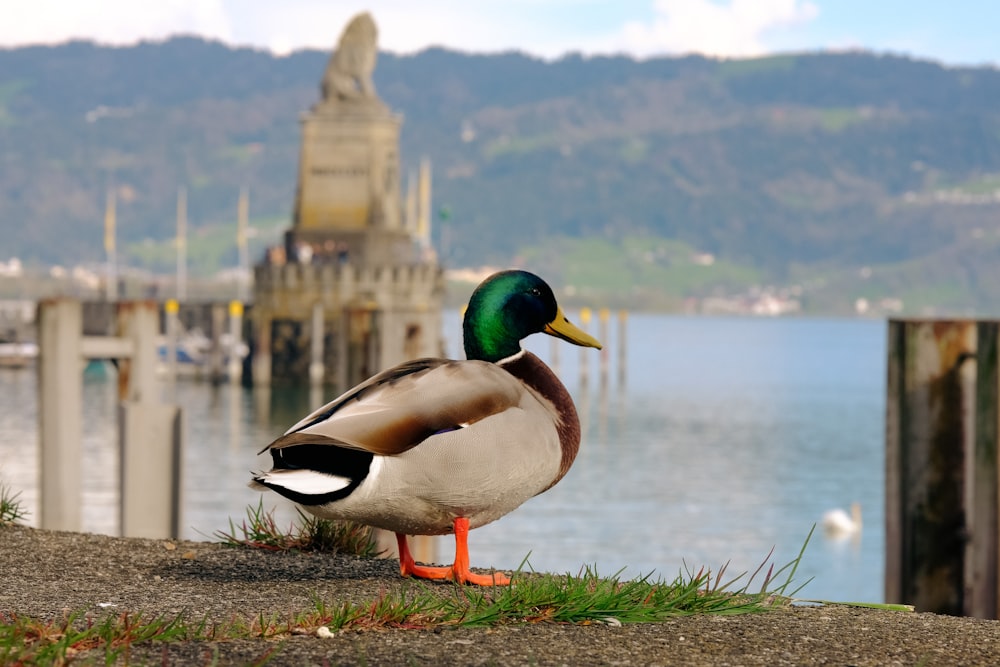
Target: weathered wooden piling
[
  {"x": 234, "y": 361},
  {"x": 622, "y": 341},
  {"x": 60, "y": 413},
  {"x": 317, "y": 371},
  {"x": 217, "y": 372},
  {"x": 138, "y": 325},
  {"x": 604, "y": 318},
  {"x": 173, "y": 331},
  {"x": 150, "y": 435},
  {"x": 150, "y": 438},
  {"x": 982, "y": 562},
  {"x": 941, "y": 466},
  {"x": 584, "y": 357}
]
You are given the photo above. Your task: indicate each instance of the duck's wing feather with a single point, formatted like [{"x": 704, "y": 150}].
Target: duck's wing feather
[{"x": 399, "y": 408}]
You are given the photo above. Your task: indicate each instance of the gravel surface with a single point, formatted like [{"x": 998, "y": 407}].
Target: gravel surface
[{"x": 46, "y": 574}]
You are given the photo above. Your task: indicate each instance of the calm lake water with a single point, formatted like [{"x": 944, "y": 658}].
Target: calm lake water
[{"x": 728, "y": 437}]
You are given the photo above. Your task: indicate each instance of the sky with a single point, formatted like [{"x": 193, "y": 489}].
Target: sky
[{"x": 959, "y": 32}]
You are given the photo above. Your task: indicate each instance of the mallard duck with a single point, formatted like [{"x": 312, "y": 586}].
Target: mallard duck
[{"x": 435, "y": 446}]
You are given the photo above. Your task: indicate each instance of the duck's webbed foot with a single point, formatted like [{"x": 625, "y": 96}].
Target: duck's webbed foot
[{"x": 459, "y": 572}]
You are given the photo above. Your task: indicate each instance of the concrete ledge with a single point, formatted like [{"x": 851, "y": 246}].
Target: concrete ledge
[{"x": 47, "y": 573}]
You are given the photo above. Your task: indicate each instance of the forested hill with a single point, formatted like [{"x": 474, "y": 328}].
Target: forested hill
[{"x": 789, "y": 166}]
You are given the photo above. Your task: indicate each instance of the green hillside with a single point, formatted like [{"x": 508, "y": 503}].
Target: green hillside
[{"x": 850, "y": 175}]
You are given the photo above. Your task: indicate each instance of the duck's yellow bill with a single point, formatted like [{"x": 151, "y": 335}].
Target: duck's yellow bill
[{"x": 561, "y": 327}]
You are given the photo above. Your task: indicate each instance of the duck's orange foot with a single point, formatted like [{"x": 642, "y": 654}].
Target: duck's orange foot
[
  {"x": 494, "y": 579},
  {"x": 459, "y": 572},
  {"x": 408, "y": 568},
  {"x": 411, "y": 569}
]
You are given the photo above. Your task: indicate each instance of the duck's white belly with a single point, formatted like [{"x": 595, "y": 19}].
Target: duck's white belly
[{"x": 480, "y": 472}]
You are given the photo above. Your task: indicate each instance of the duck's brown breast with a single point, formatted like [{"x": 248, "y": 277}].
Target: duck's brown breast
[{"x": 533, "y": 372}]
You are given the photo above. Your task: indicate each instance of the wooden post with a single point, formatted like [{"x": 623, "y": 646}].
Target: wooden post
[
  {"x": 138, "y": 323},
  {"x": 342, "y": 345},
  {"x": 216, "y": 372},
  {"x": 173, "y": 326},
  {"x": 604, "y": 316},
  {"x": 60, "y": 413},
  {"x": 261, "y": 361},
  {"x": 982, "y": 562},
  {"x": 150, "y": 450},
  {"x": 318, "y": 330},
  {"x": 373, "y": 347},
  {"x": 554, "y": 346},
  {"x": 622, "y": 340},
  {"x": 584, "y": 357},
  {"x": 149, "y": 435},
  {"x": 929, "y": 429},
  {"x": 235, "y": 363}
]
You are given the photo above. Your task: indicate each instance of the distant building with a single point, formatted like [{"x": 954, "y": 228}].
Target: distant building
[{"x": 353, "y": 254}]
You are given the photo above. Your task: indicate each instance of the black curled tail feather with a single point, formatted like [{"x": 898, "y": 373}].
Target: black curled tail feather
[{"x": 343, "y": 462}]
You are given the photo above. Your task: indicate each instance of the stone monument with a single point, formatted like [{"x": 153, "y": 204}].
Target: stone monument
[
  {"x": 349, "y": 165},
  {"x": 355, "y": 270}
]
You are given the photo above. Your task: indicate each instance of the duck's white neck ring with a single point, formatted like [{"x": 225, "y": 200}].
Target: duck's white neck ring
[{"x": 512, "y": 358}]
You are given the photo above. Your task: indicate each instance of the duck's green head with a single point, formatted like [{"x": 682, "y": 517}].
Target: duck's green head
[{"x": 509, "y": 306}]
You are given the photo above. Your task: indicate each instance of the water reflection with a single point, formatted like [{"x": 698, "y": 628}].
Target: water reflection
[{"x": 730, "y": 437}]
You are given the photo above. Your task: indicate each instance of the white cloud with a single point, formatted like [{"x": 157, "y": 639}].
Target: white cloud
[
  {"x": 404, "y": 27},
  {"x": 736, "y": 28},
  {"x": 401, "y": 28},
  {"x": 544, "y": 27},
  {"x": 110, "y": 21}
]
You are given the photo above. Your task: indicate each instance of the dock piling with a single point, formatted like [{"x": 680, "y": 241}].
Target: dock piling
[
  {"x": 234, "y": 362},
  {"x": 941, "y": 466},
  {"x": 317, "y": 332},
  {"x": 60, "y": 412},
  {"x": 150, "y": 435}
]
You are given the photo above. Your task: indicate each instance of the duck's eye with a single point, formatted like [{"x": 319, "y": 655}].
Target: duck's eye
[{"x": 534, "y": 291}]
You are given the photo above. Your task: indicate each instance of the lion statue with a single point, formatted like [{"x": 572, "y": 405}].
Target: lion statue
[{"x": 348, "y": 75}]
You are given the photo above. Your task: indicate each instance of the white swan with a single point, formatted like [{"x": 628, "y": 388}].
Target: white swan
[{"x": 838, "y": 523}]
